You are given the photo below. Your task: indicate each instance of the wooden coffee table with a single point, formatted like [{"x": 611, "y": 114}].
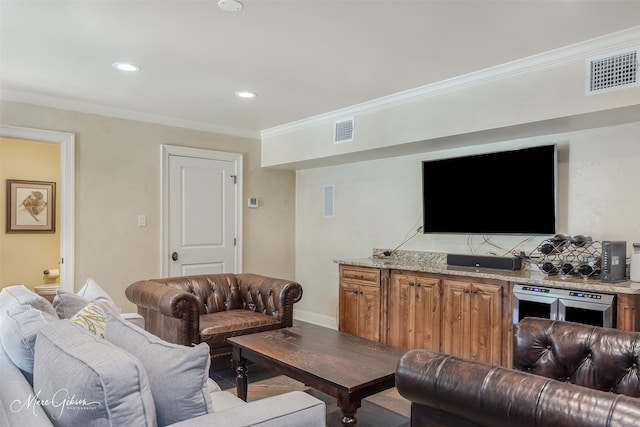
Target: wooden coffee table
[{"x": 344, "y": 366}]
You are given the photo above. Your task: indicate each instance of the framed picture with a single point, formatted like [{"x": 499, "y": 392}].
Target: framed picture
[{"x": 31, "y": 206}]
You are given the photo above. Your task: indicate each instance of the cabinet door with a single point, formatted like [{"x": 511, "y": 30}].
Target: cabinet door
[
  {"x": 426, "y": 314},
  {"x": 400, "y": 312},
  {"x": 456, "y": 320},
  {"x": 348, "y": 307},
  {"x": 369, "y": 313},
  {"x": 486, "y": 323},
  {"x": 359, "y": 303}
]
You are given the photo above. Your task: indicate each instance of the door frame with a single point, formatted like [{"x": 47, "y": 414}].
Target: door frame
[
  {"x": 166, "y": 151},
  {"x": 67, "y": 192}
]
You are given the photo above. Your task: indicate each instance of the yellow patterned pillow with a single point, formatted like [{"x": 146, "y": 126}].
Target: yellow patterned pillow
[{"x": 92, "y": 317}]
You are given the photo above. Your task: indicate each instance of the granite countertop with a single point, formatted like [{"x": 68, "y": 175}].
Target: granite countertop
[{"x": 432, "y": 262}]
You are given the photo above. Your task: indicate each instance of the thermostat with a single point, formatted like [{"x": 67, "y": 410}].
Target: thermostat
[{"x": 252, "y": 202}]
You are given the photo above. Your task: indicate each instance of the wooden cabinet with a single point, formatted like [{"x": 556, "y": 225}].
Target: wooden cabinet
[
  {"x": 628, "y": 312},
  {"x": 473, "y": 321},
  {"x": 414, "y": 312},
  {"x": 360, "y": 302},
  {"x": 468, "y": 317}
]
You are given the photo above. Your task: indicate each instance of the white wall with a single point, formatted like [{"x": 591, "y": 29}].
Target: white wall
[
  {"x": 378, "y": 204},
  {"x": 534, "y": 96},
  {"x": 118, "y": 178}
]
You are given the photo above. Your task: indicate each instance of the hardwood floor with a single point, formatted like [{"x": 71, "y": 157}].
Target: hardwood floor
[{"x": 385, "y": 409}]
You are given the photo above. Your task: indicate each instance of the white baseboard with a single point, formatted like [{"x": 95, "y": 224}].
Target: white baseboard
[{"x": 315, "y": 318}]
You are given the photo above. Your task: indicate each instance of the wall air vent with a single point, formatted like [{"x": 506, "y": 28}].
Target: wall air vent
[
  {"x": 612, "y": 71},
  {"x": 343, "y": 131}
]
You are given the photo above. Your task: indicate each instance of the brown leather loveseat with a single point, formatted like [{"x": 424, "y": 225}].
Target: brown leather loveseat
[
  {"x": 211, "y": 308},
  {"x": 565, "y": 374}
]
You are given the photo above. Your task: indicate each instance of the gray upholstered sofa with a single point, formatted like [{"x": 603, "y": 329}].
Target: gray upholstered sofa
[{"x": 94, "y": 368}]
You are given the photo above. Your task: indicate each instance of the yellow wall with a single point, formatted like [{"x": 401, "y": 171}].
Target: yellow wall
[{"x": 24, "y": 256}]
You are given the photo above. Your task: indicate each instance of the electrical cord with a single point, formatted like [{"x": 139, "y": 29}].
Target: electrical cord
[
  {"x": 407, "y": 237},
  {"x": 487, "y": 240}
]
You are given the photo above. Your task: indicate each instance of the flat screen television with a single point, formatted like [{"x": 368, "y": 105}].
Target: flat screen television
[{"x": 508, "y": 192}]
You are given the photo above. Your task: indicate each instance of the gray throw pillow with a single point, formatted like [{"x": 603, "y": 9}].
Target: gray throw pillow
[
  {"x": 67, "y": 303},
  {"x": 178, "y": 375},
  {"x": 18, "y": 335},
  {"x": 83, "y": 380},
  {"x": 12, "y": 296}
]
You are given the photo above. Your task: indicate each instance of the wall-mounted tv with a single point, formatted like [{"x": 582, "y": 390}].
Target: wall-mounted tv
[{"x": 508, "y": 192}]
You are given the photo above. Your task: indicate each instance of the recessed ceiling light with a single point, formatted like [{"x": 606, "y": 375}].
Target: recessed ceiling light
[
  {"x": 125, "y": 66},
  {"x": 245, "y": 94},
  {"x": 230, "y": 5}
]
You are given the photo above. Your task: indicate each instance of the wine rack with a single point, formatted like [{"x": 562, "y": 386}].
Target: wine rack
[{"x": 567, "y": 256}]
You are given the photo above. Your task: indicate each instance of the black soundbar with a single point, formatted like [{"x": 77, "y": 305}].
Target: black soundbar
[{"x": 482, "y": 261}]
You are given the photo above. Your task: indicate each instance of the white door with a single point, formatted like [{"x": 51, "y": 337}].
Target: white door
[{"x": 203, "y": 213}]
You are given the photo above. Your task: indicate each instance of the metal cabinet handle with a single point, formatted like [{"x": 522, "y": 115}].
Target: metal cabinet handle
[{"x": 174, "y": 256}]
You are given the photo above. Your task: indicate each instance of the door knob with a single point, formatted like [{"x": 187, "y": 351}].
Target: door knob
[{"x": 174, "y": 256}]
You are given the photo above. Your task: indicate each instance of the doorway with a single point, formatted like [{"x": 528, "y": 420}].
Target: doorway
[
  {"x": 201, "y": 211},
  {"x": 66, "y": 190}
]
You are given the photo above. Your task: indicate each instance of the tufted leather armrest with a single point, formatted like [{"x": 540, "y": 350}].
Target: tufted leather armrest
[
  {"x": 270, "y": 296},
  {"x": 157, "y": 302},
  {"x": 447, "y": 391},
  {"x": 600, "y": 358}
]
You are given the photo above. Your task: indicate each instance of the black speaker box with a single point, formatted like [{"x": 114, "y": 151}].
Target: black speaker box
[
  {"x": 482, "y": 261},
  {"x": 614, "y": 261}
]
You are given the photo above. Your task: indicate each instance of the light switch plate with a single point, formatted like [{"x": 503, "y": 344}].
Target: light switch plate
[{"x": 252, "y": 202}]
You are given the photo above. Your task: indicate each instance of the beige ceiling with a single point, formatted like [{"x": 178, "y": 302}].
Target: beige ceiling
[{"x": 303, "y": 57}]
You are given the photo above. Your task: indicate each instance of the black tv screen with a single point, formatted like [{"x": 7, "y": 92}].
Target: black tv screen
[{"x": 508, "y": 192}]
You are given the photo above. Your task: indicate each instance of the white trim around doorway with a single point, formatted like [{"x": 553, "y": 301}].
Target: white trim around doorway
[{"x": 170, "y": 150}]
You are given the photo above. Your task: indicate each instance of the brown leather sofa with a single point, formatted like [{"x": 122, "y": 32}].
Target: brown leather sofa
[
  {"x": 565, "y": 374},
  {"x": 211, "y": 308}
]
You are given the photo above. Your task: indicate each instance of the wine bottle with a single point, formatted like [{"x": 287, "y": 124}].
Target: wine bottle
[
  {"x": 556, "y": 244},
  {"x": 581, "y": 241},
  {"x": 567, "y": 268},
  {"x": 547, "y": 248},
  {"x": 585, "y": 270}
]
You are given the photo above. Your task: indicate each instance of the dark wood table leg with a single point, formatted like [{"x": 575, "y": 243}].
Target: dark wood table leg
[
  {"x": 241, "y": 377},
  {"x": 348, "y": 405},
  {"x": 348, "y": 419}
]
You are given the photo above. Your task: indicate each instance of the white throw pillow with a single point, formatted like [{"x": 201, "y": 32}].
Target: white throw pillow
[
  {"x": 93, "y": 318},
  {"x": 93, "y": 292},
  {"x": 178, "y": 375}
]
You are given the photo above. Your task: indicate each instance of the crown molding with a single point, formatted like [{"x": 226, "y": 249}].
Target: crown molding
[
  {"x": 599, "y": 45},
  {"x": 85, "y": 107}
]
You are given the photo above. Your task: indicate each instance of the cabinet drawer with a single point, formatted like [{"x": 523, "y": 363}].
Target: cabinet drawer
[{"x": 370, "y": 276}]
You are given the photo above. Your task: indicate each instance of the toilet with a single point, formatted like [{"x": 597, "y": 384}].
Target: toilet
[{"x": 47, "y": 291}]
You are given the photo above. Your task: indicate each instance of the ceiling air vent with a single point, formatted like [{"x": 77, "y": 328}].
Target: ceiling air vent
[
  {"x": 343, "y": 131},
  {"x": 612, "y": 71}
]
